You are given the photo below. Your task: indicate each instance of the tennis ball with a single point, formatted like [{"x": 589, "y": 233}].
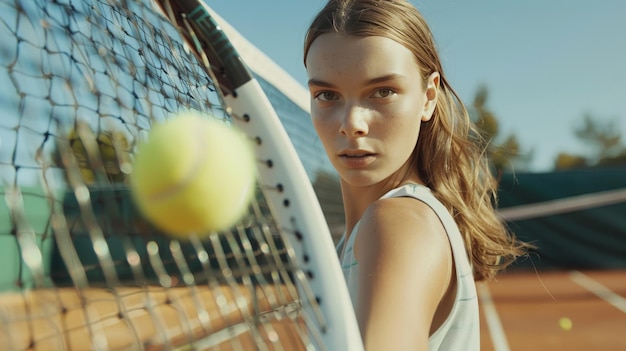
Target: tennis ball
[
  {"x": 565, "y": 323},
  {"x": 193, "y": 174}
]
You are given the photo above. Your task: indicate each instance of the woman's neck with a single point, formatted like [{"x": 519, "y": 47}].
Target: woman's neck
[{"x": 355, "y": 201}]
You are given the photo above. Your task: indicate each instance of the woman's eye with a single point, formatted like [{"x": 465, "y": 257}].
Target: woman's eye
[
  {"x": 383, "y": 93},
  {"x": 326, "y": 96}
]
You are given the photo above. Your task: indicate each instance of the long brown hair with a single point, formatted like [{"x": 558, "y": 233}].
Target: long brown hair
[{"x": 448, "y": 154}]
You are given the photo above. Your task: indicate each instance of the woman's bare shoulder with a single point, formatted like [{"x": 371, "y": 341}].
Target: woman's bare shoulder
[{"x": 402, "y": 218}]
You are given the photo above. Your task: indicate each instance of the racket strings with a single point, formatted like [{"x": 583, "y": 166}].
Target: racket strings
[{"x": 81, "y": 83}]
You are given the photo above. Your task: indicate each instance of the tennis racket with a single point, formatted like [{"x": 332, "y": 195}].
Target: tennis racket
[{"x": 81, "y": 84}]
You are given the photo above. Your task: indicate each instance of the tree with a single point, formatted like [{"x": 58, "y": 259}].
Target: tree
[
  {"x": 568, "y": 161},
  {"x": 502, "y": 155},
  {"x": 604, "y": 140}
]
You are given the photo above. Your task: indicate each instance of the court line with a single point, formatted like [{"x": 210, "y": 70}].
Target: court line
[
  {"x": 494, "y": 325},
  {"x": 599, "y": 290},
  {"x": 563, "y": 205}
]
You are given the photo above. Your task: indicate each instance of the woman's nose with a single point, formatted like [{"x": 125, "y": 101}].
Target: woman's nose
[{"x": 354, "y": 122}]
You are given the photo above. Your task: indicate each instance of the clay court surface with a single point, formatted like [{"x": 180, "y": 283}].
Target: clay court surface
[{"x": 532, "y": 311}]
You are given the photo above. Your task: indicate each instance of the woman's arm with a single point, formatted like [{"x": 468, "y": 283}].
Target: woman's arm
[{"x": 405, "y": 265}]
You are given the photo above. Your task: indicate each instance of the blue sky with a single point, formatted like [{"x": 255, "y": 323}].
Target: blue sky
[{"x": 546, "y": 63}]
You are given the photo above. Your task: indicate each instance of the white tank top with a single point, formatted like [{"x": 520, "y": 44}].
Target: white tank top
[{"x": 461, "y": 329}]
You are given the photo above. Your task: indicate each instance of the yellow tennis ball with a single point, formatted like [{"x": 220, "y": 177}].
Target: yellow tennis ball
[
  {"x": 193, "y": 174},
  {"x": 565, "y": 323}
]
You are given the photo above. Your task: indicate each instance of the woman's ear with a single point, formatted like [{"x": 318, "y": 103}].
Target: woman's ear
[{"x": 432, "y": 90}]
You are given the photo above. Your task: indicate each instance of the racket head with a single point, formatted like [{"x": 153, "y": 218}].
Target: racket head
[{"x": 295, "y": 205}]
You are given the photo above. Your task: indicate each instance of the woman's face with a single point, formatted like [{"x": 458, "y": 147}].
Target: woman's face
[{"x": 367, "y": 103}]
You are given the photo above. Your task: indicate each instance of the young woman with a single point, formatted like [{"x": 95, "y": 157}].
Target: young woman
[{"x": 418, "y": 194}]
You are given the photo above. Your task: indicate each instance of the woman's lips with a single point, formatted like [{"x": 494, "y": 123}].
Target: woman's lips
[{"x": 357, "y": 159}]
